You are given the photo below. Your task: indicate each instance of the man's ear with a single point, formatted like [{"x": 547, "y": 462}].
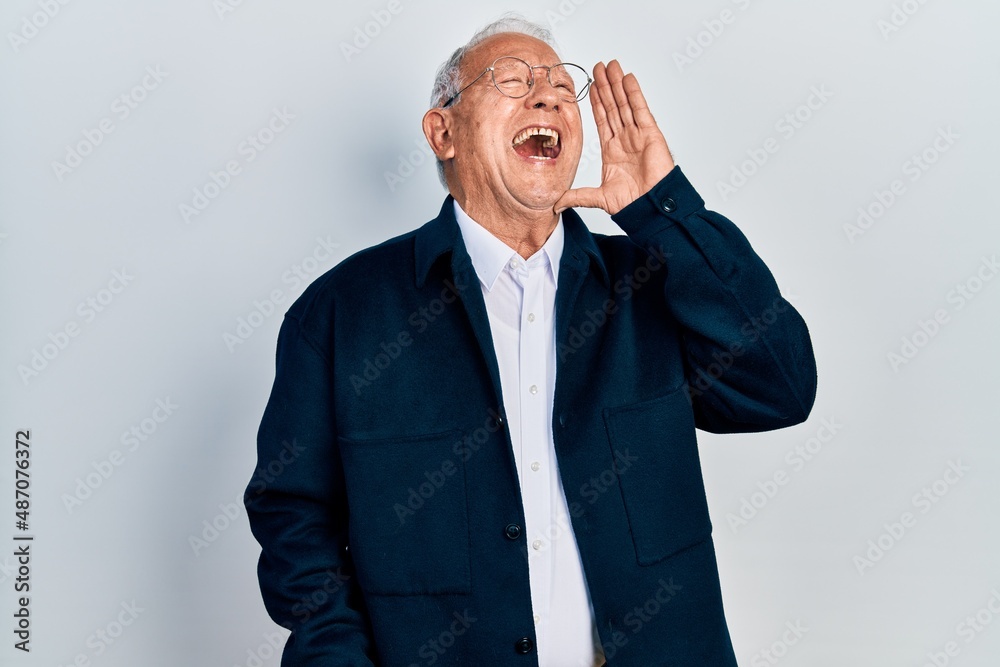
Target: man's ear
[{"x": 437, "y": 129}]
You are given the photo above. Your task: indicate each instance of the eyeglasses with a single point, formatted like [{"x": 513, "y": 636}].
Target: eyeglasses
[{"x": 514, "y": 78}]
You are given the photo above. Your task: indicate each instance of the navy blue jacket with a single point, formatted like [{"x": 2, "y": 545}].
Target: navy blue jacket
[{"x": 386, "y": 499}]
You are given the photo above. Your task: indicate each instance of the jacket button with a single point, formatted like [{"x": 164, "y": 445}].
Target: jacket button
[
  {"x": 512, "y": 531},
  {"x": 562, "y": 420},
  {"x": 524, "y": 645},
  {"x": 668, "y": 205},
  {"x": 498, "y": 421}
]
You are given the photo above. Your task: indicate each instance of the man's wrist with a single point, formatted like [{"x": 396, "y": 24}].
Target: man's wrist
[{"x": 672, "y": 199}]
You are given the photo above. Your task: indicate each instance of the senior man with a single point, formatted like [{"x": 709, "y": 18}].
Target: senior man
[{"x": 484, "y": 428}]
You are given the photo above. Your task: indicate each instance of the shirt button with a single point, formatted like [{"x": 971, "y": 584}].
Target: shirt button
[
  {"x": 536, "y": 618},
  {"x": 536, "y": 545},
  {"x": 535, "y": 465},
  {"x": 531, "y": 317},
  {"x": 524, "y": 645},
  {"x": 513, "y": 263},
  {"x": 533, "y": 389},
  {"x": 512, "y": 531},
  {"x": 669, "y": 205}
]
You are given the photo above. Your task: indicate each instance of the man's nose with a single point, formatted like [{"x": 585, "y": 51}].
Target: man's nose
[{"x": 543, "y": 93}]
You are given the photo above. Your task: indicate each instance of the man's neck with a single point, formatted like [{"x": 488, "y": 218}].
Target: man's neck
[{"x": 524, "y": 230}]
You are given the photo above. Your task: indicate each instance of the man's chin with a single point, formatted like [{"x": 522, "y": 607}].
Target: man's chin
[
  {"x": 541, "y": 196},
  {"x": 540, "y": 201}
]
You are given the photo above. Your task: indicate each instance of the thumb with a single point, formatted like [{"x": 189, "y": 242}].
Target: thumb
[{"x": 585, "y": 197}]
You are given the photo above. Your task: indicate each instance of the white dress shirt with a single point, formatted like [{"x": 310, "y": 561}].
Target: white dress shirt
[{"x": 520, "y": 301}]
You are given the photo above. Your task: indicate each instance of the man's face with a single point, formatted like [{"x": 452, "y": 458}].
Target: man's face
[{"x": 492, "y": 160}]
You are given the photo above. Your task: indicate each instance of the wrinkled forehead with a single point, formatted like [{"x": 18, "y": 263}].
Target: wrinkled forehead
[{"x": 531, "y": 50}]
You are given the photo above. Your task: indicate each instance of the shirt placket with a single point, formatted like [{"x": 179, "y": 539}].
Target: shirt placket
[{"x": 534, "y": 397}]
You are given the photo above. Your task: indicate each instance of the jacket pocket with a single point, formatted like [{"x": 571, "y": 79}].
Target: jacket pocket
[
  {"x": 408, "y": 514},
  {"x": 659, "y": 473}
]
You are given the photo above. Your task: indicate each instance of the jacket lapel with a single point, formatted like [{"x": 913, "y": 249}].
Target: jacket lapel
[{"x": 442, "y": 236}]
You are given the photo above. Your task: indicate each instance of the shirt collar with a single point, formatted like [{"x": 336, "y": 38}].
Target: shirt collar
[
  {"x": 490, "y": 255},
  {"x": 440, "y": 237}
]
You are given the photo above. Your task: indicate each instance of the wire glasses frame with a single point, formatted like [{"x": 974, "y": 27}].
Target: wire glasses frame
[{"x": 568, "y": 67}]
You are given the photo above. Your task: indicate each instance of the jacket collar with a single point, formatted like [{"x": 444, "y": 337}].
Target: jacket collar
[
  {"x": 492, "y": 256},
  {"x": 442, "y": 235}
]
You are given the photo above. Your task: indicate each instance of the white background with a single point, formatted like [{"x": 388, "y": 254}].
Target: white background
[{"x": 324, "y": 176}]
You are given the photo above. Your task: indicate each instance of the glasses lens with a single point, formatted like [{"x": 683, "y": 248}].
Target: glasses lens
[
  {"x": 570, "y": 80},
  {"x": 512, "y": 76}
]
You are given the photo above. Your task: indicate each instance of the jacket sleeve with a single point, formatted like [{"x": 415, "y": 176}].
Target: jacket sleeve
[
  {"x": 297, "y": 512},
  {"x": 749, "y": 362}
]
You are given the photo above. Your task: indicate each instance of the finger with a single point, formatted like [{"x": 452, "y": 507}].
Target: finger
[
  {"x": 604, "y": 132},
  {"x": 637, "y": 101},
  {"x": 586, "y": 197},
  {"x": 603, "y": 87},
  {"x": 615, "y": 76}
]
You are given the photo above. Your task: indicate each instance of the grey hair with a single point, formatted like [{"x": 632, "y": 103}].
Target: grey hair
[{"x": 447, "y": 82}]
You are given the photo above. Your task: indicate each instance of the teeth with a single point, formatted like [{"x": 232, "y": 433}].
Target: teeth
[{"x": 551, "y": 140}]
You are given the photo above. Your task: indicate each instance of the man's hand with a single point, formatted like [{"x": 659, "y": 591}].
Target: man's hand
[{"x": 633, "y": 151}]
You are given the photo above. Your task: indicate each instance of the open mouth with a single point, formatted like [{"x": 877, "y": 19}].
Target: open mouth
[{"x": 537, "y": 143}]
